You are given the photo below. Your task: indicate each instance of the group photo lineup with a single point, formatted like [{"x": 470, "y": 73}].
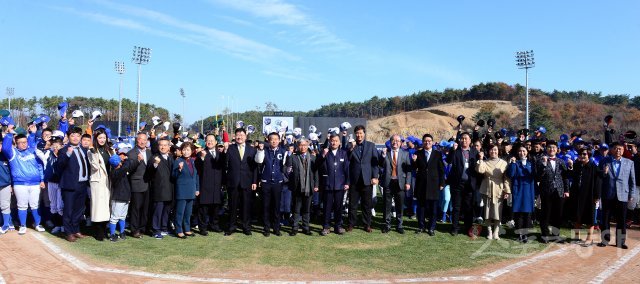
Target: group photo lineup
[{"x": 288, "y": 141}]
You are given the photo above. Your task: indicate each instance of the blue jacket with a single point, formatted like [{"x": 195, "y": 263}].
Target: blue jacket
[
  {"x": 25, "y": 166},
  {"x": 187, "y": 182},
  {"x": 50, "y": 173},
  {"x": 334, "y": 170},
  {"x": 272, "y": 168},
  {"x": 5, "y": 172}
]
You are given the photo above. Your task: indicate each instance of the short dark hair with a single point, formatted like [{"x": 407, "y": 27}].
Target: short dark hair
[
  {"x": 164, "y": 139},
  {"x": 359, "y": 127},
  {"x": 427, "y": 135},
  {"x": 86, "y": 135},
  {"x": 75, "y": 130},
  {"x": 47, "y": 129},
  {"x": 240, "y": 129},
  {"x": 210, "y": 134},
  {"x": 465, "y": 133},
  {"x": 273, "y": 133},
  {"x": 616, "y": 144},
  {"x": 185, "y": 145},
  {"x": 20, "y": 136},
  {"x": 333, "y": 135}
]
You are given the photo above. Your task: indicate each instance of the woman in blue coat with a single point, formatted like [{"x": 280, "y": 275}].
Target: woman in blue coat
[
  {"x": 187, "y": 187},
  {"x": 521, "y": 172}
]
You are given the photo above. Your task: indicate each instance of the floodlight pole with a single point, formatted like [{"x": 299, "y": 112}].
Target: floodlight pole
[
  {"x": 525, "y": 60},
  {"x": 120, "y": 69},
  {"x": 141, "y": 57}
]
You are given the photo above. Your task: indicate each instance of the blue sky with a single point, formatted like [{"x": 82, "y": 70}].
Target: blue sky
[{"x": 304, "y": 54}]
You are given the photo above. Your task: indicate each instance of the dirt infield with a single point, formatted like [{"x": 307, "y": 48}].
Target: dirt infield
[{"x": 33, "y": 258}]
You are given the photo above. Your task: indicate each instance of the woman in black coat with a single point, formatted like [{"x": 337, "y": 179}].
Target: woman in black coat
[{"x": 585, "y": 192}]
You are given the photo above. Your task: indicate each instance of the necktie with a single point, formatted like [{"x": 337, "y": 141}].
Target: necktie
[
  {"x": 82, "y": 163},
  {"x": 428, "y": 155},
  {"x": 241, "y": 150},
  {"x": 304, "y": 162},
  {"x": 394, "y": 166},
  {"x": 552, "y": 159}
]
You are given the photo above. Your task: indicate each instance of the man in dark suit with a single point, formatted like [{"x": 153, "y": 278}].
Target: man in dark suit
[
  {"x": 211, "y": 166},
  {"x": 553, "y": 175},
  {"x": 161, "y": 185},
  {"x": 139, "y": 206},
  {"x": 464, "y": 184},
  {"x": 363, "y": 174},
  {"x": 396, "y": 180},
  {"x": 333, "y": 167},
  {"x": 242, "y": 179},
  {"x": 429, "y": 182},
  {"x": 73, "y": 166},
  {"x": 617, "y": 190}
]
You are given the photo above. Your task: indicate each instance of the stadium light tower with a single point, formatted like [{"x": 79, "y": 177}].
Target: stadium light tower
[
  {"x": 10, "y": 93},
  {"x": 141, "y": 57},
  {"x": 120, "y": 69},
  {"x": 524, "y": 60}
]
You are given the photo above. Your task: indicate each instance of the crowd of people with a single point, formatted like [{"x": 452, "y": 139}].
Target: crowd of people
[{"x": 169, "y": 183}]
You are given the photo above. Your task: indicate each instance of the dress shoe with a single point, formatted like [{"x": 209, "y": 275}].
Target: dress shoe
[
  {"x": 266, "y": 233},
  {"x": 277, "y": 233},
  {"x": 400, "y": 231},
  {"x": 137, "y": 235},
  {"x": 204, "y": 233},
  {"x": 419, "y": 231},
  {"x": 350, "y": 228},
  {"x": 324, "y": 232},
  {"x": 247, "y": 232},
  {"x": 623, "y": 246},
  {"x": 340, "y": 231},
  {"x": 228, "y": 233},
  {"x": 71, "y": 238},
  {"x": 385, "y": 230},
  {"x": 80, "y": 235},
  {"x": 190, "y": 234},
  {"x": 431, "y": 233},
  {"x": 368, "y": 229},
  {"x": 307, "y": 232},
  {"x": 293, "y": 233},
  {"x": 182, "y": 237},
  {"x": 601, "y": 244}
]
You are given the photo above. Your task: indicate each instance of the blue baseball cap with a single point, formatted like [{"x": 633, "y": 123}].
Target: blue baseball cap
[{"x": 115, "y": 160}]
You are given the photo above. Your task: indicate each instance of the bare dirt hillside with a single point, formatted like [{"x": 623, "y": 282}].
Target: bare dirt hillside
[{"x": 440, "y": 120}]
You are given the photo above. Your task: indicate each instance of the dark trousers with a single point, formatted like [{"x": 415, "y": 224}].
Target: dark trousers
[
  {"x": 160, "y": 220},
  {"x": 333, "y": 200},
  {"x": 610, "y": 207},
  {"x": 302, "y": 210},
  {"x": 462, "y": 199},
  {"x": 551, "y": 214},
  {"x": 184, "y": 208},
  {"x": 138, "y": 211},
  {"x": 393, "y": 191},
  {"x": 523, "y": 222},
  {"x": 363, "y": 194},
  {"x": 427, "y": 209},
  {"x": 271, "y": 198},
  {"x": 240, "y": 197},
  {"x": 208, "y": 217},
  {"x": 73, "y": 209}
]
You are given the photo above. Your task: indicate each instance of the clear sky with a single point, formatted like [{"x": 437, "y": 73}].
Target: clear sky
[{"x": 304, "y": 54}]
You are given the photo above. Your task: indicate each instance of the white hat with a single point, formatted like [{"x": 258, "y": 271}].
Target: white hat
[
  {"x": 156, "y": 120},
  {"x": 334, "y": 130},
  {"x": 77, "y": 113},
  {"x": 312, "y": 128},
  {"x": 58, "y": 133},
  {"x": 297, "y": 131},
  {"x": 239, "y": 124},
  {"x": 345, "y": 125},
  {"x": 166, "y": 125},
  {"x": 313, "y": 136},
  {"x": 95, "y": 115}
]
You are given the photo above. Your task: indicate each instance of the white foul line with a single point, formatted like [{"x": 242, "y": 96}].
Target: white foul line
[
  {"x": 487, "y": 277},
  {"x": 616, "y": 266}
]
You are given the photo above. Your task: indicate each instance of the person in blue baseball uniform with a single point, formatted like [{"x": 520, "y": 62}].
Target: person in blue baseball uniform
[
  {"x": 5, "y": 193},
  {"x": 52, "y": 180},
  {"x": 187, "y": 187},
  {"x": 271, "y": 172},
  {"x": 27, "y": 174}
]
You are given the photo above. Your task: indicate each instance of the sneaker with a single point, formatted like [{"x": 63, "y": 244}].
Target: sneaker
[
  {"x": 22, "y": 230},
  {"x": 122, "y": 236},
  {"x": 324, "y": 232},
  {"x": 56, "y": 230},
  {"x": 511, "y": 224},
  {"x": 4, "y": 229},
  {"x": 164, "y": 233},
  {"x": 113, "y": 238},
  {"x": 12, "y": 227},
  {"x": 61, "y": 229},
  {"x": 39, "y": 228},
  {"x": 158, "y": 236}
]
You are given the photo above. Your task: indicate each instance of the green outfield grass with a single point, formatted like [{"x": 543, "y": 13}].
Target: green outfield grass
[{"x": 354, "y": 255}]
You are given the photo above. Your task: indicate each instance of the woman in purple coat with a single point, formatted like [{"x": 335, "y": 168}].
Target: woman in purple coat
[{"x": 521, "y": 172}]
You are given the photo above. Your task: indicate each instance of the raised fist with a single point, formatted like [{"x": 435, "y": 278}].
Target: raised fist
[
  {"x": 156, "y": 160},
  {"x": 513, "y": 159},
  {"x": 414, "y": 157},
  {"x": 180, "y": 165}
]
